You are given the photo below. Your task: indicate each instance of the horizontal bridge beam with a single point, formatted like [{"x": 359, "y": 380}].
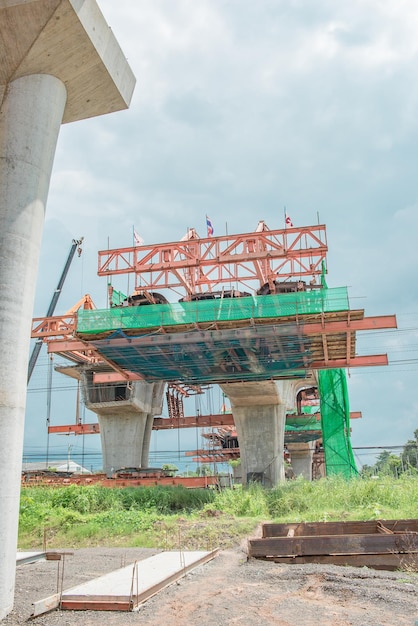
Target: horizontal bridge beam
[{"x": 367, "y": 323}]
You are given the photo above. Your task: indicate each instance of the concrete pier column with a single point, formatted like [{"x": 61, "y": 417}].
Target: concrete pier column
[
  {"x": 259, "y": 411},
  {"x": 30, "y": 118},
  {"x": 125, "y": 413},
  {"x": 301, "y": 455},
  {"x": 60, "y": 62},
  {"x": 157, "y": 407}
]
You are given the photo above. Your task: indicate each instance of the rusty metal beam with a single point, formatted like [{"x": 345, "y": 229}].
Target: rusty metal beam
[
  {"x": 54, "y": 326},
  {"x": 370, "y": 360},
  {"x": 192, "y": 421},
  {"x": 199, "y": 421},
  {"x": 381, "y": 322},
  {"x": 114, "y": 377},
  {"x": 359, "y": 361},
  {"x": 355, "y": 527},
  {"x": 325, "y": 545},
  {"x": 68, "y": 345},
  {"x": 76, "y": 429}
]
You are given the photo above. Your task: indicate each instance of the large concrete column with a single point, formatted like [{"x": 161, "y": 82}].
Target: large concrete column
[
  {"x": 259, "y": 411},
  {"x": 30, "y": 118},
  {"x": 125, "y": 413},
  {"x": 59, "y": 62},
  {"x": 156, "y": 409}
]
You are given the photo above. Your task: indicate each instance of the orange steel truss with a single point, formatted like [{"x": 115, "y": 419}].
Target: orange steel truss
[{"x": 199, "y": 264}]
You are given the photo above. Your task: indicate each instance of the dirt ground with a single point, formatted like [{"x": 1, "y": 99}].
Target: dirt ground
[{"x": 229, "y": 590}]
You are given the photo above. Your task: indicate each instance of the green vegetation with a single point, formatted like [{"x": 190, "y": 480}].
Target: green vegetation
[
  {"x": 389, "y": 464},
  {"x": 170, "y": 517}
]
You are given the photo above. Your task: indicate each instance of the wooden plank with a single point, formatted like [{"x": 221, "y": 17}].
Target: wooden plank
[
  {"x": 126, "y": 588},
  {"x": 338, "y": 528},
  {"x": 331, "y": 544}
]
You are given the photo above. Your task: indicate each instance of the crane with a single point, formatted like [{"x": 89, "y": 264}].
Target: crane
[{"x": 76, "y": 245}]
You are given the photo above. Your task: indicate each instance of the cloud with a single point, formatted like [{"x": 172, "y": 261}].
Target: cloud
[{"x": 240, "y": 109}]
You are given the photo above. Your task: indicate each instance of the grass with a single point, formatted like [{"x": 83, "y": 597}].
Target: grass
[{"x": 175, "y": 517}]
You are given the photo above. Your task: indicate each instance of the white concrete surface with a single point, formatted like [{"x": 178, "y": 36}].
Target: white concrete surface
[
  {"x": 135, "y": 583},
  {"x": 30, "y": 119},
  {"x": 59, "y": 62},
  {"x": 71, "y": 40}
]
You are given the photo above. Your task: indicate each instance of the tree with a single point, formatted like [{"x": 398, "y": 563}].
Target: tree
[
  {"x": 388, "y": 464},
  {"x": 170, "y": 469},
  {"x": 410, "y": 453},
  {"x": 204, "y": 470}
]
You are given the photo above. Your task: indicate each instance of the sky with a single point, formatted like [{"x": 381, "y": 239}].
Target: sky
[{"x": 241, "y": 109}]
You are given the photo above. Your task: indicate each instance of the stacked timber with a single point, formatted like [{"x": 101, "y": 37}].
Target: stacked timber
[{"x": 382, "y": 544}]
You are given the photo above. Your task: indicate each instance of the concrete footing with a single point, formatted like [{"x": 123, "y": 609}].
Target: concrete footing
[{"x": 125, "y": 413}]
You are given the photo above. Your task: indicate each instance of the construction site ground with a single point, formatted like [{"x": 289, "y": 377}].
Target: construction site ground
[{"x": 229, "y": 590}]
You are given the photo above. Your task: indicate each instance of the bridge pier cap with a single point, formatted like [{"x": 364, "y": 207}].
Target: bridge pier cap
[
  {"x": 70, "y": 40},
  {"x": 59, "y": 63}
]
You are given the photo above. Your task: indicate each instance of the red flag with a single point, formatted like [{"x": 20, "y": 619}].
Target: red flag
[{"x": 288, "y": 221}]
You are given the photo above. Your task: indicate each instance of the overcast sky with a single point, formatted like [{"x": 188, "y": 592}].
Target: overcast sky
[{"x": 242, "y": 108}]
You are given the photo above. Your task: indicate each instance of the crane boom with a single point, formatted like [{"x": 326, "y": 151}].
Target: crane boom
[{"x": 76, "y": 245}]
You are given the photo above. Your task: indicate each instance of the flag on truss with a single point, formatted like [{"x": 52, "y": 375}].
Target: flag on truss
[
  {"x": 209, "y": 227},
  {"x": 288, "y": 221},
  {"x": 138, "y": 241}
]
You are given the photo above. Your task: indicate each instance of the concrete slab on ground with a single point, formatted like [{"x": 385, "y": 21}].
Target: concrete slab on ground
[
  {"x": 126, "y": 588},
  {"x": 23, "y": 558}
]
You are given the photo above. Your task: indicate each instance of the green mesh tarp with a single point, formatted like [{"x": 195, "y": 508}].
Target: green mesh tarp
[
  {"x": 222, "y": 309},
  {"x": 117, "y": 297},
  {"x": 335, "y": 420}
]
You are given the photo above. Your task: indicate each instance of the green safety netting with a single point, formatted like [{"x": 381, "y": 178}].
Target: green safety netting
[
  {"x": 222, "y": 309},
  {"x": 117, "y": 297},
  {"x": 335, "y": 420}
]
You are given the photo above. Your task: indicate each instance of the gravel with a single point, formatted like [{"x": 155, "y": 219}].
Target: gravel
[{"x": 228, "y": 590}]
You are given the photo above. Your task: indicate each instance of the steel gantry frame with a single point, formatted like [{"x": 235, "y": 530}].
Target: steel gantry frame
[
  {"x": 205, "y": 264},
  {"x": 201, "y": 265}
]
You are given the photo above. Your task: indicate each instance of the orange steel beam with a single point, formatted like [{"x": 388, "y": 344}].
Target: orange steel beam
[
  {"x": 199, "y": 421},
  {"x": 379, "y": 322},
  {"x": 76, "y": 429},
  {"x": 216, "y": 452},
  {"x": 170, "y": 423},
  {"x": 359, "y": 361},
  {"x": 54, "y": 326},
  {"x": 65, "y": 326},
  {"x": 212, "y": 261},
  {"x": 369, "y": 360},
  {"x": 83, "y": 351}
]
